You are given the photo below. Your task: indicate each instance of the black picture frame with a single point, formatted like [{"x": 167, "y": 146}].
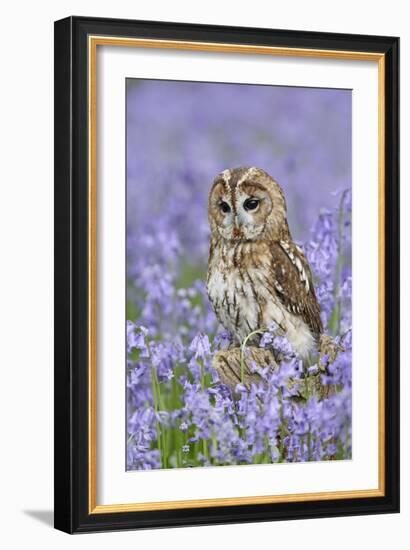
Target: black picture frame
[{"x": 72, "y": 277}]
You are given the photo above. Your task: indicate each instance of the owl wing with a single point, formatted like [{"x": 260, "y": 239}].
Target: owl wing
[{"x": 293, "y": 283}]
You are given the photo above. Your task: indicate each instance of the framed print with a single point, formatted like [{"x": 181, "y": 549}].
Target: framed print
[{"x": 226, "y": 274}]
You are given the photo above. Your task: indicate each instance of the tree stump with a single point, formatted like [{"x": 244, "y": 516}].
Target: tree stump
[{"x": 227, "y": 364}]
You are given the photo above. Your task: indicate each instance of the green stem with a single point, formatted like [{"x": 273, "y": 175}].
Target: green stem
[
  {"x": 243, "y": 347},
  {"x": 309, "y": 442},
  {"x": 156, "y": 408},
  {"x": 156, "y": 395},
  {"x": 282, "y": 428},
  {"x": 164, "y": 432},
  {"x": 202, "y": 374},
  {"x": 336, "y": 315},
  {"x": 205, "y": 449}
]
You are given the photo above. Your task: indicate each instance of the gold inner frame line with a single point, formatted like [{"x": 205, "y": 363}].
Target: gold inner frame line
[{"x": 93, "y": 42}]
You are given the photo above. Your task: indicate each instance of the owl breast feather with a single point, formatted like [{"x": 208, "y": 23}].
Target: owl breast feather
[{"x": 243, "y": 295}]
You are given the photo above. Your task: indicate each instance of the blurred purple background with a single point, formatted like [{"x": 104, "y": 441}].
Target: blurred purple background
[{"x": 181, "y": 134}]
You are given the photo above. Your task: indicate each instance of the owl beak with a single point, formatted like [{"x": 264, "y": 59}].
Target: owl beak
[{"x": 236, "y": 232}]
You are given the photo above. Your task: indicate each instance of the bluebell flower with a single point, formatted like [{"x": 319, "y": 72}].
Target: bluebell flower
[{"x": 200, "y": 346}]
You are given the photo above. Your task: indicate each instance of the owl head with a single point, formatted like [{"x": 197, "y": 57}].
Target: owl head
[{"x": 246, "y": 204}]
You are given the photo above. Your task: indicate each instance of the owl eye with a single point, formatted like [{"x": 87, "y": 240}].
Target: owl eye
[
  {"x": 224, "y": 207},
  {"x": 251, "y": 204}
]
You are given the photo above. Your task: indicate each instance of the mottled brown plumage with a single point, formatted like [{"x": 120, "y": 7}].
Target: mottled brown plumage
[{"x": 257, "y": 276}]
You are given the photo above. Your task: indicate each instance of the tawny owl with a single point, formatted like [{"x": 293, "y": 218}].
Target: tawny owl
[{"x": 257, "y": 275}]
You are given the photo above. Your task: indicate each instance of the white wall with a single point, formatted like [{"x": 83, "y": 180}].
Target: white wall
[{"x": 26, "y": 333}]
